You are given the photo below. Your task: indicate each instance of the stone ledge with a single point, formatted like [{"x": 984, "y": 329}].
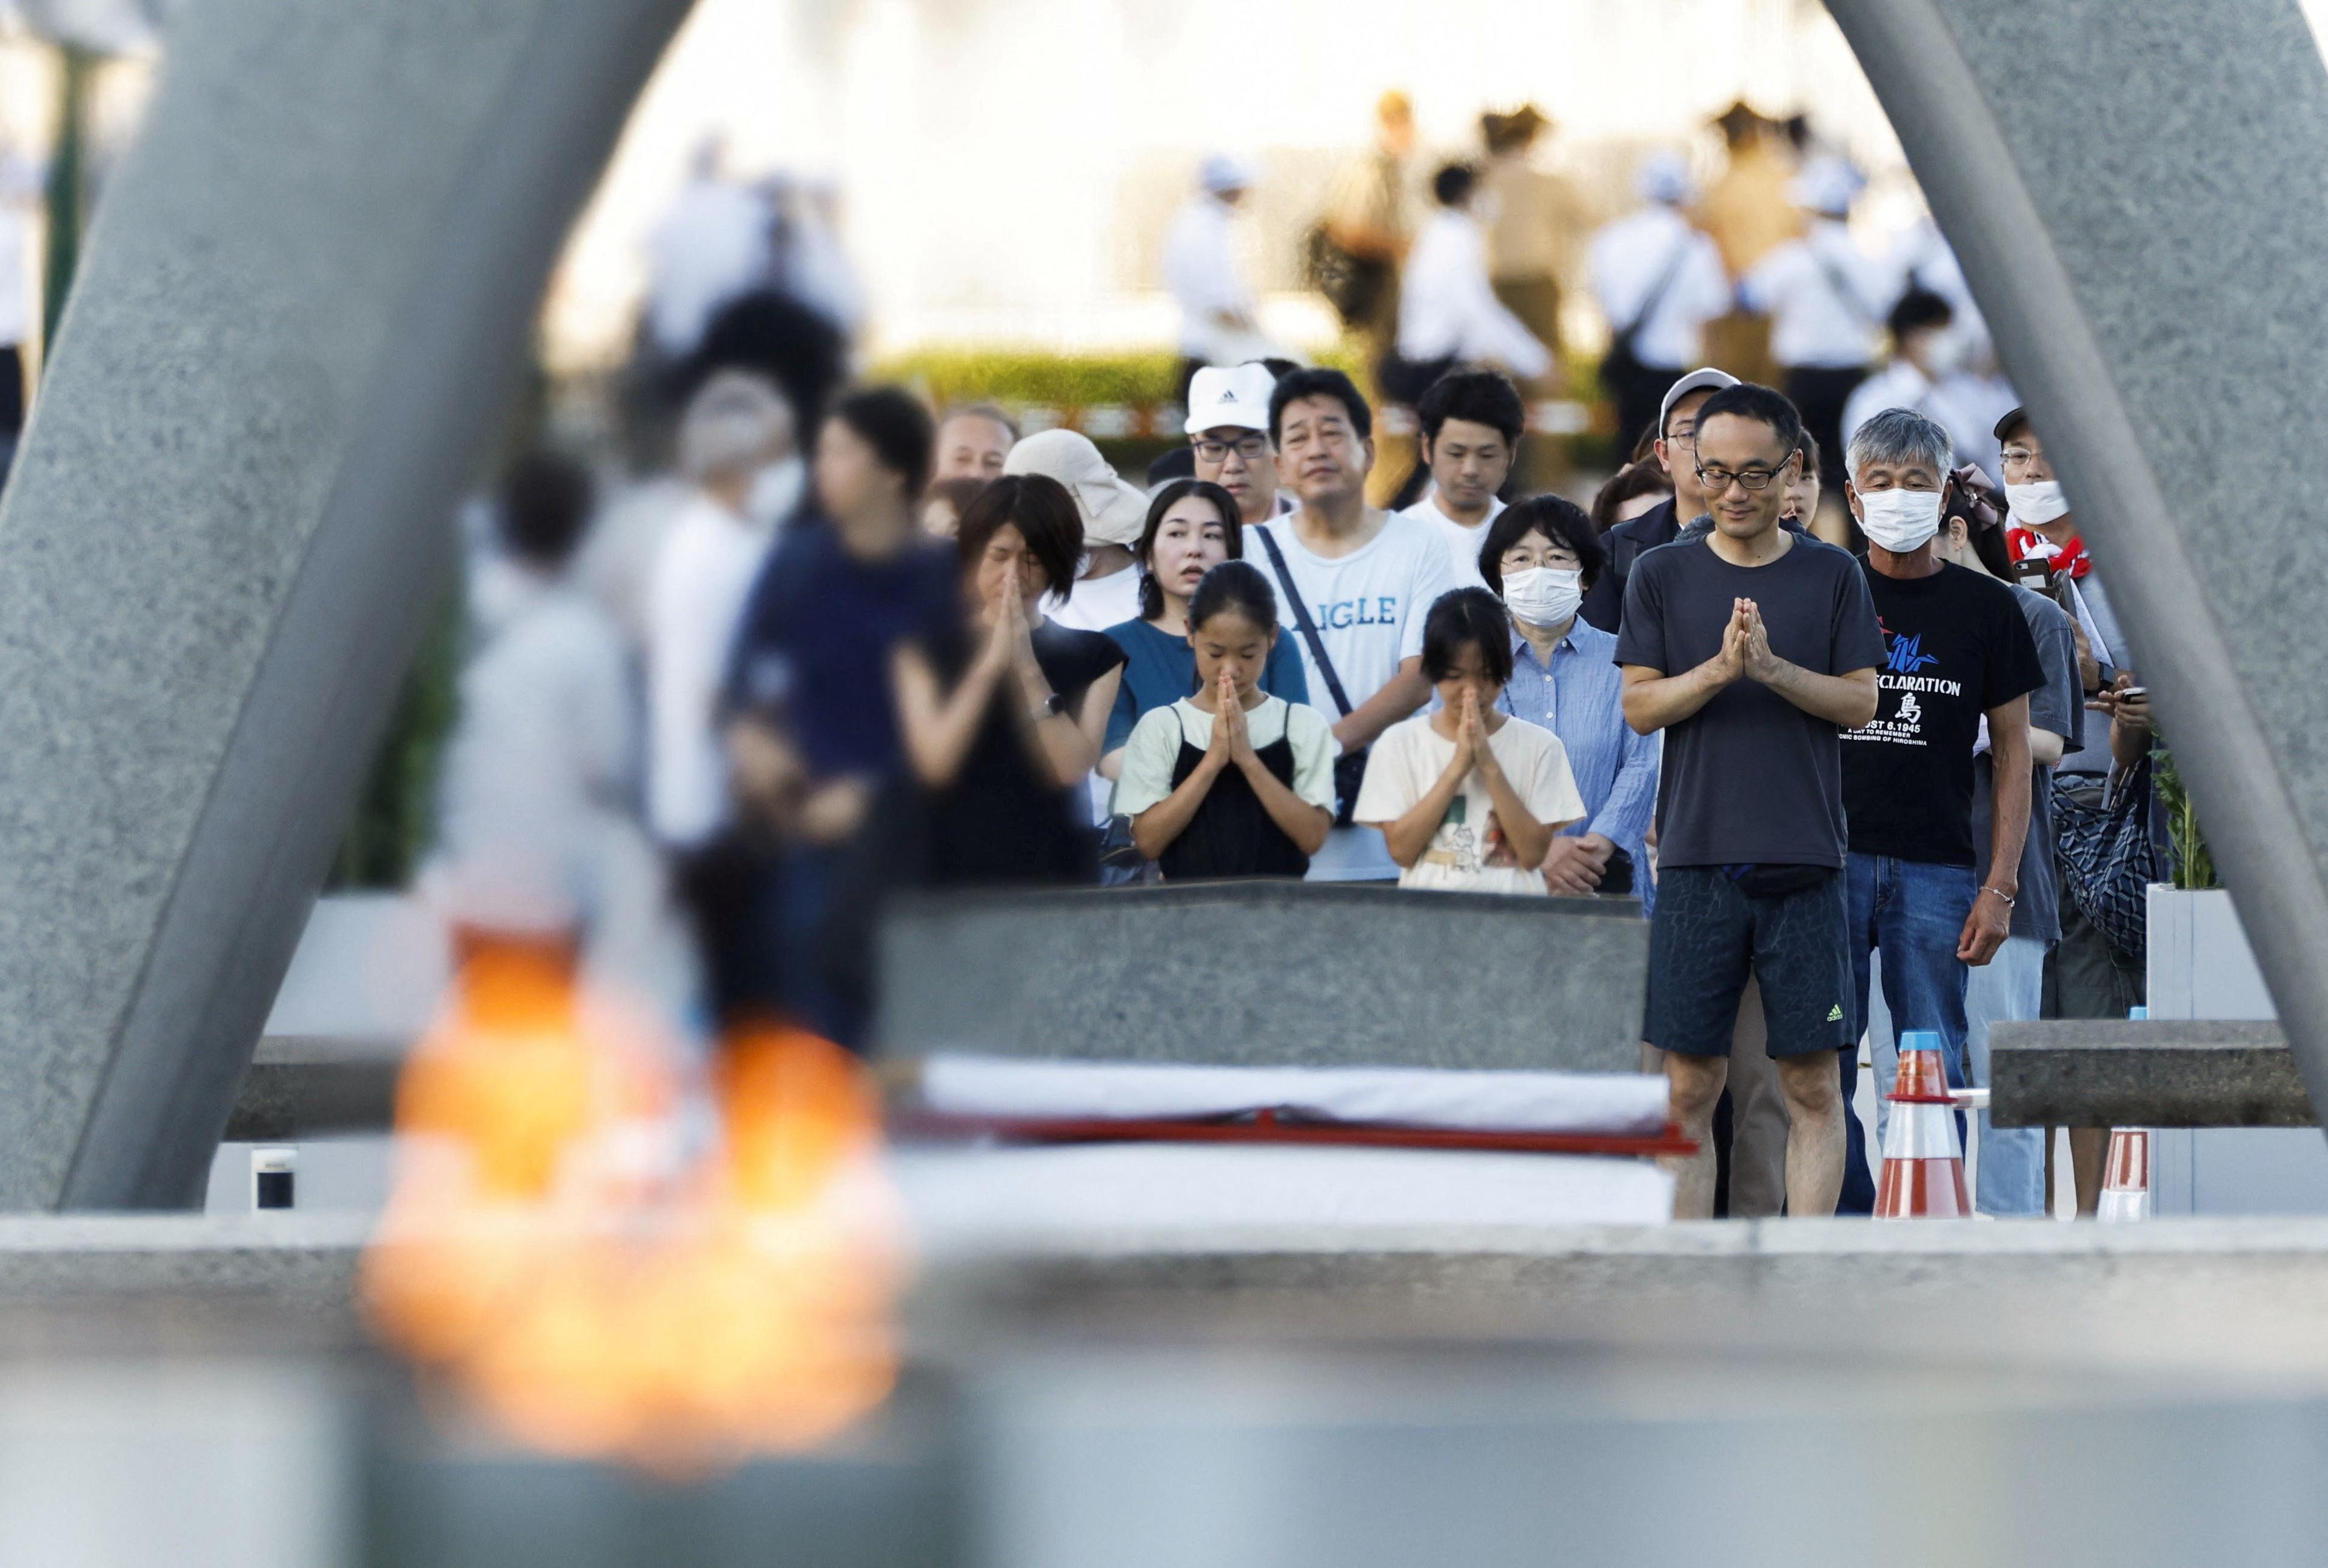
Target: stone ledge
[{"x": 2145, "y": 1072}]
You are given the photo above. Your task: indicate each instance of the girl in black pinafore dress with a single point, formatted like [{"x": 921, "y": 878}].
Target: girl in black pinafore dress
[{"x": 1230, "y": 781}]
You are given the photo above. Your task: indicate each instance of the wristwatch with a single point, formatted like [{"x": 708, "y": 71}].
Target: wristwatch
[{"x": 1051, "y": 707}]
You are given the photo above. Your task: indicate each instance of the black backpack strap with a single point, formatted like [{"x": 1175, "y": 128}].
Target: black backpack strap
[{"x": 1302, "y": 621}]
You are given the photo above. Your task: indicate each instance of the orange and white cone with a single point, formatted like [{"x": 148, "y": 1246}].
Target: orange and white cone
[
  {"x": 2126, "y": 1176},
  {"x": 1923, "y": 1164}
]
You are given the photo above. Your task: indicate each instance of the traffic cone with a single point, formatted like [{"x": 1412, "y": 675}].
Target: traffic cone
[
  {"x": 1923, "y": 1164},
  {"x": 2126, "y": 1176}
]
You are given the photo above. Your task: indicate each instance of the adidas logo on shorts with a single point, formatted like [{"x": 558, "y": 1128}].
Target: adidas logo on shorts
[{"x": 1835, "y": 1014}]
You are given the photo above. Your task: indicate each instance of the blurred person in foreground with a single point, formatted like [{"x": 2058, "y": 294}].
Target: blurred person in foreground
[
  {"x": 1353, "y": 584},
  {"x": 1228, "y": 435},
  {"x": 1220, "y": 320},
  {"x": 736, "y": 452},
  {"x": 972, "y": 441},
  {"x": 813, "y": 733},
  {"x": 1959, "y": 664},
  {"x": 1827, "y": 300},
  {"x": 1102, "y": 589},
  {"x": 1539, "y": 558},
  {"x": 1659, "y": 281},
  {"x": 1001, "y": 717},
  {"x": 1448, "y": 311},
  {"x": 1676, "y": 449},
  {"x": 1192, "y": 527},
  {"x": 1472, "y": 422},
  {"x": 536, "y": 844},
  {"x": 1753, "y": 649}
]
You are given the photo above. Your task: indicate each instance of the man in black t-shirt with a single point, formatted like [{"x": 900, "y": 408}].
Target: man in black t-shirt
[
  {"x": 1957, "y": 651},
  {"x": 1751, "y": 648}
]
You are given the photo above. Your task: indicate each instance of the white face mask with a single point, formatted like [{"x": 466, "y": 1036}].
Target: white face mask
[
  {"x": 1899, "y": 519},
  {"x": 1544, "y": 596},
  {"x": 776, "y": 488},
  {"x": 2035, "y": 505}
]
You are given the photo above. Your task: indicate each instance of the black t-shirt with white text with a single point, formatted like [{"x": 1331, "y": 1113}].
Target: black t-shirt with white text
[{"x": 1955, "y": 645}]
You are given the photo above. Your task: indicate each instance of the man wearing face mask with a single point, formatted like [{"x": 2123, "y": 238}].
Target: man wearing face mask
[{"x": 1956, "y": 650}]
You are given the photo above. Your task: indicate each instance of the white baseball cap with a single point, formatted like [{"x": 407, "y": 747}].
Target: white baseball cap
[
  {"x": 1225, "y": 172},
  {"x": 1699, "y": 380},
  {"x": 1238, "y": 395},
  {"x": 1114, "y": 512},
  {"x": 1826, "y": 185}
]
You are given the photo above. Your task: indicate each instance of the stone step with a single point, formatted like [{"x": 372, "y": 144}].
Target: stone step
[{"x": 2145, "y": 1072}]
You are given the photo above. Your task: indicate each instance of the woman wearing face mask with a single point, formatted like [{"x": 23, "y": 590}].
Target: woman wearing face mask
[
  {"x": 1541, "y": 557},
  {"x": 1192, "y": 527},
  {"x": 1467, "y": 797}
]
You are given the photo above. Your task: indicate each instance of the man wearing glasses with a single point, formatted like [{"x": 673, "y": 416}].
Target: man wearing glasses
[
  {"x": 1753, "y": 649},
  {"x": 1228, "y": 429},
  {"x": 1663, "y": 523}
]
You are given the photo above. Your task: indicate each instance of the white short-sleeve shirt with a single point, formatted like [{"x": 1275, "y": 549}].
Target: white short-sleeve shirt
[
  {"x": 1469, "y": 853},
  {"x": 1154, "y": 750}
]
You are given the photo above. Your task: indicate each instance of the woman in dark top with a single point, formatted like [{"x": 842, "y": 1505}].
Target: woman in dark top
[
  {"x": 1002, "y": 722},
  {"x": 1230, "y": 781}
]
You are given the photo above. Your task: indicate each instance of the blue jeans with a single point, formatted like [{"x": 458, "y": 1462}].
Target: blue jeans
[
  {"x": 2009, "y": 1175},
  {"x": 1915, "y": 913}
]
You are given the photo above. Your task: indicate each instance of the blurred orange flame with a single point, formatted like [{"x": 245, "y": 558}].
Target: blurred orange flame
[{"x": 596, "y": 1285}]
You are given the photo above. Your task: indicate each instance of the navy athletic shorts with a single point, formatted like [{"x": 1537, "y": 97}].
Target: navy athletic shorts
[{"x": 1708, "y": 934}]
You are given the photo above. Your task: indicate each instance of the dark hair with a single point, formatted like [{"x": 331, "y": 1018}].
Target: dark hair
[
  {"x": 893, "y": 422},
  {"x": 1919, "y": 308},
  {"x": 1987, "y": 543},
  {"x": 1746, "y": 400},
  {"x": 1039, "y": 507},
  {"x": 957, "y": 492},
  {"x": 1558, "y": 518},
  {"x": 1152, "y": 596},
  {"x": 1279, "y": 369},
  {"x": 1177, "y": 462},
  {"x": 994, "y": 411},
  {"x": 1451, "y": 185},
  {"x": 1630, "y": 483},
  {"x": 1238, "y": 586},
  {"x": 1476, "y": 397},
  {"x": 1467, "y": 615},
  {"x": 1809, "y": 448},
  {"x": 545, "y": 504},
  {"x": 1320, "y": 382}
]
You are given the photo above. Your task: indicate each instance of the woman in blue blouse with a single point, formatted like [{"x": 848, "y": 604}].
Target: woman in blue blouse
[
  {"x": 1192, "y": 527},
  {"x": 1540, "y": 557}
]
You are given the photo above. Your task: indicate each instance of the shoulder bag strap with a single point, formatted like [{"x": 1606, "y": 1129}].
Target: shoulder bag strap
[
  {"x": 1659, "y": 289},
  {"x": 1302, "y": 621}
]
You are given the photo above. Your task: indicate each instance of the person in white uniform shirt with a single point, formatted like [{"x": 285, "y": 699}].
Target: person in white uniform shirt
[
  {"x": 1228, "y": 432},
  {"x": 1471, "y": 425},
  {"x": 1219, "y": 320},
  {"x": 1827, "y": 299},
  {"x": 711, "y": 246},
  {"x": 1929, "y": 373},
  {"x": 1448, "y": 311},
  {"x": 1107, "y": 586},
  {"x": 1354, "y": 587},
  {"x": 737, "y": 429},
  {"x": 1659, "y": 279}
]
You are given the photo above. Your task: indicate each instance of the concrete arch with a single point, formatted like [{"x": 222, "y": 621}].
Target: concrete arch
[{"x": 311, "y": 278}]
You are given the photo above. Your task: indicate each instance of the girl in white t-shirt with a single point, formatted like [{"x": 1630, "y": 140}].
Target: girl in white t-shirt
[
  {"x": 1229, "y": 782},
  {"x": 1468, "y": 799}
]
